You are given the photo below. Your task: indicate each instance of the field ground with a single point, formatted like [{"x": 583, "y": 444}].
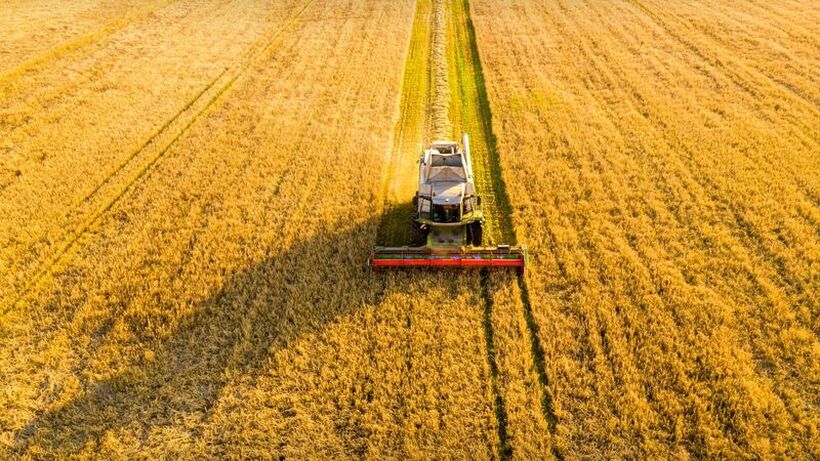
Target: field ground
[{"x": 189, "y": 190}]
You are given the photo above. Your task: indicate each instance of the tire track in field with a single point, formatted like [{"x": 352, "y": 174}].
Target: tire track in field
[
  {"x": 505, "y": 449},
  {"x": 477, "y": 121},
  {"x": 194, "y": 109},
  {"x": 153, "y": 138},
  {"x": 80, "y": 42}
]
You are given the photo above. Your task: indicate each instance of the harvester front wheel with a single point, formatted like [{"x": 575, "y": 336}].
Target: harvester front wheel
[
  {"x": 418, "y": 235},
  {"x": 475, "y": 234}
]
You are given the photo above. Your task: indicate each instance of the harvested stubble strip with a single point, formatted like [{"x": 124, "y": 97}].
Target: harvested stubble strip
[{"x": 440, "y": 127}]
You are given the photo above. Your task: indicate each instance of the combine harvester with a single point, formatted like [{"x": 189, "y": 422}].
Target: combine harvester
[{"x": 448, "y": 223}]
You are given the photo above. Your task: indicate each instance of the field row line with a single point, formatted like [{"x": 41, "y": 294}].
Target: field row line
[
  {"x": 505, "y": 449},
  {"x": 695, "y": 186},
  {"x": 733, "y": 73},
  {"x": 487, "y": 163},
  {"x": 64, "y": 251},
  {"x": 708, "y": 186}
]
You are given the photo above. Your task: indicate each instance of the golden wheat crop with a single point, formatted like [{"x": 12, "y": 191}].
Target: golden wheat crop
[
  {"x": 662, "y": 161},
  {"x": 189, "y": 190}
]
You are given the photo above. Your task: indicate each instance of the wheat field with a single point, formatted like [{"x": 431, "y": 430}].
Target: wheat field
[{"x": 189, "y": 191}]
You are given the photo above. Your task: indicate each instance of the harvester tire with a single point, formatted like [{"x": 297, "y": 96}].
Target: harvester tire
[
  {"x": 475, "y": 233},
  {"x": 418, "y": 236}
]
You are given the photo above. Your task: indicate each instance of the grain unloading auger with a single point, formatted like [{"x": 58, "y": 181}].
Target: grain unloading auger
[{"x": 447, "y": 222}]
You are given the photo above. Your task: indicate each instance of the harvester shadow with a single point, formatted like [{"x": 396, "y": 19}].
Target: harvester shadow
[
  {"x": 232, "y": 333},
  {"x": 394, "y": 228}
]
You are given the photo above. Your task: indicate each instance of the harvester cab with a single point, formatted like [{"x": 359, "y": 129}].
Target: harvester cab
[{"x": 447, "y": 227}]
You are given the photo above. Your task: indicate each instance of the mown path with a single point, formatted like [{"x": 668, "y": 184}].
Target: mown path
[{"x": 458, "y": 95}]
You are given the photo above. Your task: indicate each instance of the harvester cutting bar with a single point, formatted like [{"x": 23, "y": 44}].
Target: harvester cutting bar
[{"x": 501, "y": 256}]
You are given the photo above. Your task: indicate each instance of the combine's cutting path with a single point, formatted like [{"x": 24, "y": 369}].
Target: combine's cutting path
[
  {"x": 443, "y": 96},
  {"x": 425, "y": 114}
]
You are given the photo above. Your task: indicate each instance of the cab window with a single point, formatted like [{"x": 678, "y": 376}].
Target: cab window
[{"x": 446, "y": 213}]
